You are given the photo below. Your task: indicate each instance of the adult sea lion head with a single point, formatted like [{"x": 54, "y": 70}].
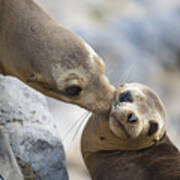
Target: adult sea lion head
[
  {"x": 77, "y": 77},
  {"x": 51, "y": 58}
]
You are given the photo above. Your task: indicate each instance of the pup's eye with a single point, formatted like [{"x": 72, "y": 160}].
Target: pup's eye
[
  {"x": 125, "y": 97},
  {"x": 73, "y": 90},
  {"x": 153, "y": 128}
]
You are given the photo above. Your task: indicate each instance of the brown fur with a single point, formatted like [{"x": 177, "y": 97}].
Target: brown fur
[
  {"x": 159, "y": 162},
  {"x": 48, "y": 57},
  {"x": 111, "y": 155}
]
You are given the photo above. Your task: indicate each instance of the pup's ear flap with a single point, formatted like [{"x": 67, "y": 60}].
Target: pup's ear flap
[{"x": 153, "y": 127}]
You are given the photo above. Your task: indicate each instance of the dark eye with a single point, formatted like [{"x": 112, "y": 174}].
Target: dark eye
[
  {"x": 153, "y": 128},
  {"x": 125, "y": 97},
  {"x": 73, "y": 90}
]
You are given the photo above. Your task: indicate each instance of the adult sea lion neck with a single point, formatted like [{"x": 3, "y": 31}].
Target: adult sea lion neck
[
  {"x": 50, "y": 58},
  {"x": 31, "y": 38}
]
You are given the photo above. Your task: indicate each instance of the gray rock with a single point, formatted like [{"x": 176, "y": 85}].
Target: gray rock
[
  {"x": 31, "y": 131},
  {"x": 9, "y": 169}
]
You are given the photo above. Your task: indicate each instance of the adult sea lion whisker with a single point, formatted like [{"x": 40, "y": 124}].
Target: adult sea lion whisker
[
  {"x": 83, "y": 115},
  {"x": 80, "y": 126}
]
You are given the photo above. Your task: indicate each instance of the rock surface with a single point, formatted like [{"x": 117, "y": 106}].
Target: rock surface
[
  {"x": 8, "y": 166},
  {"x": 31, "y": 130}
]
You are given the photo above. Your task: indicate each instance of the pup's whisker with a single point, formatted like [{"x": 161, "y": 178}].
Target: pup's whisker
[{"x": 126, "y": 75}]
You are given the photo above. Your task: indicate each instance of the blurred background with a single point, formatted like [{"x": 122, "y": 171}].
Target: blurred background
[{"x": 139, "y": 40}]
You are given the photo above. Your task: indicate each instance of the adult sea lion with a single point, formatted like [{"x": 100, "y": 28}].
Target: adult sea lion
[
  {"x": 131, "y": 142},
  {"x": 50, "y": 58}
]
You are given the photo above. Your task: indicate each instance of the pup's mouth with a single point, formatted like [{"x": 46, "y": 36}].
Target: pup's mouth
[{"x": 120, "y": 125}]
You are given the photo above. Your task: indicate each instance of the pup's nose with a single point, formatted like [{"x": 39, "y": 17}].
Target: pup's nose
[{"x": 132, "y": 118}]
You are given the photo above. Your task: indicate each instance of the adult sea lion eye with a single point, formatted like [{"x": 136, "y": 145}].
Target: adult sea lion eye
[
  {"x": 1, "y": 178},
  {"x": 125, "y": 97},
  {"x": 73, "y": 90}
]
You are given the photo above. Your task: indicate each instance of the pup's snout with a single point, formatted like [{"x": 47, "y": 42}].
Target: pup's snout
[{"x": 132, "y": 118}]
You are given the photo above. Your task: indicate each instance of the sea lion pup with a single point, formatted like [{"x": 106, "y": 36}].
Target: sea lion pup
[
  {"x": 50, "y": 58},
  {"x": 131, "y": 143}
]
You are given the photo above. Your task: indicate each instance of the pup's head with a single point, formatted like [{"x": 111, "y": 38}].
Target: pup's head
[{"x": 137, "y": 116}]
